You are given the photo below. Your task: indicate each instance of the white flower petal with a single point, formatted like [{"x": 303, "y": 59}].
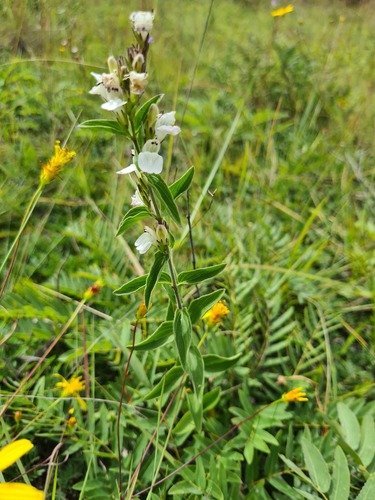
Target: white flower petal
[
  {"x": 151, "y": 163},
  {"x": 97, "y": 77},
  {"x": 127, "y": 170},
  {"x": 113, "y": 104},
  {"x": 146, "y": 240},
  {"x": 137, "y": 200},
  {"x": 166, "y": 119}
]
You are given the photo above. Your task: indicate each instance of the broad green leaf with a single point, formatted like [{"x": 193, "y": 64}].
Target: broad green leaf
[
  {"x": 281, "y": 485},
  {"x": 368, "y": 490},
  {"x": 349, "y": 425},
  {"x": 199, "y": 275},
  {"x": 165, "y": 196},
  {"x": 340, "y": 476},
  {"x": 132, "y": 285},
  {"x": 196, "y": 410},
  {"x": 185, "y": 424},
  {"x": 316, "y": 465},
  {"x": 182, "y": 184},
  {"x": 141, "y": 114},
  {"x": 161, "y": 336},
  {"x": 198, "y": 307},
  {"x": 214, "y": 363},
  {"x": 131, "y": 217},
  {"x": 153, "y": 275},
  {"x": 295, "y": 468},
  {"x": 169, "y": 382},
  {"x": 106, "y": 125},
  {"x": 366, "y": 450},
  {"x": 307, "y": 495},
  {"x": 196, "y": 370},
  {"x": 183, "y": 332}
]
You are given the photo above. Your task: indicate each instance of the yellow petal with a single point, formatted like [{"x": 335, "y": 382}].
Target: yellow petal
[
  {"x": 13, "y": 451},
  {"x": 19, "y": 491}
]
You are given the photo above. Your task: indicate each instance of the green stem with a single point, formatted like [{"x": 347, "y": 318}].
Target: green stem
[
  {"x": 174, "y": 280},
  {"x": 25, "y": 220}
]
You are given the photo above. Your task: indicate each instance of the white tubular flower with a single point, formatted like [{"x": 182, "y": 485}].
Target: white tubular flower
[
  {"x": 137, "y": 200},
  {"x": 108, "y": 87},
  {"x": 127, "y": 170},
  {"x": 165, "y": 125},
  {"x": 142, "y": 22},
  {"x": 146, "y": 240},
  {"x": 138, "y": 82},
  {"x": 152, "y": 146},
  {"x": 150, "y": 163}
]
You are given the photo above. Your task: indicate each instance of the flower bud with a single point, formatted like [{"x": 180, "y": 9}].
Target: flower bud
[
  {"x": 162, "y": 234},
  {"x": 112, "y": 64}
]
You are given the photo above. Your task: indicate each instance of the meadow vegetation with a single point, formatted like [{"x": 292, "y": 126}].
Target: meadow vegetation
[{"x": 277, "y": 117}]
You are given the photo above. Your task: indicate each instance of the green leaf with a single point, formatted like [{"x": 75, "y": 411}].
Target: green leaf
[
  {"x": 307, "y": 495},
  {"x": 196, "y": 370},
  {"x": 184, "y": 488},
  {"x": 316, "y": 465},
  {"x": 340, "y": 476},
  {"x": 131, "y": 217},
  {"x": 295, "y": 468},
  {"x": 132, "y": 285},
  {"x": 366, "y": 451},
  {"x": 160, "y": 337},
  {"x": 182, "y": 184},
  {"x": 199, "y": 275},
  {"x": 368, "y": 491},
  {"x": 185, "y": 424},
  {"x": 198, "y": 307},
  {"x": 106, "y": 125},
  {"x": 169, "y": 382},
  {"x": 142, "y": 112},
  {"x": 165, "y": 196},
  {"x": 196, "y": 410},
  {"x": 350, "y": 426},
  {"x": 214, "y": 363},
  {"x": 153, "y": 275},
  {"x": 183, "y": 332}
]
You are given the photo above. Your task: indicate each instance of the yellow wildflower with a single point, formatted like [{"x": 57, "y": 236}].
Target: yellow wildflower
[
  {"x": 282, "y": 11},
  {"x": 142, "y": 311},
  {"x": 216, "y": 313},
  {"x": 54, "y": 165},
  {"x": 72, "y": 422},
  {"x": 72, "y": 387},
  {"x": 14, "y": 491},
  {"x": 294, "y": 396}
]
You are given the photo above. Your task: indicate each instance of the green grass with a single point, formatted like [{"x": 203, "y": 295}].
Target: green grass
[{"x": 290, "y": 210}]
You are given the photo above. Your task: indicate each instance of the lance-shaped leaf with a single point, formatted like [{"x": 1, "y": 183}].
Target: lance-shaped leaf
[
  {"x": 316, "y": 465},
  {"x": 182, "y": 184},
  {"x": 161, "y": 336},
  {"x": 214, "y": 363},
  {"x": 340, "y": 477},
  {"x": 183, "y": 333},
  {"x": 131, "y": 217},
  {"x": 198, "y": 307},
  {"x": 199, "y": 275},
  {"x": 169, "y": 382},
  {"x": 165, "y": 196},
  {"x": 153, "y": 275},
  {"x": 196, "y": 370},
  {"x": 106, "y": 126},
  {"x": 141, "y": 114},
  {"x": 368, "y": 490},
  {"x": 185, "y": 424},
  {"x": 138, "y": 283},
  {"x": 196, "y": 409}
]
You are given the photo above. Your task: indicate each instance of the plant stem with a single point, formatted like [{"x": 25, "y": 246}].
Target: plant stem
[
  {"x": 174, "y": 280},
  {"x": 25, "y": 220}
]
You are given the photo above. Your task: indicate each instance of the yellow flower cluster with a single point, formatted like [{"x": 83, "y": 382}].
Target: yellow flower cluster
[
  {"x": 54, "y": 165},
  {"x": 72, "y": 387},
  {"x": 282, "y": 11},
  {"x": 216, "y": 313},
  {"x": 15, "y": 491},
  {"x": 294, "y": 396}
]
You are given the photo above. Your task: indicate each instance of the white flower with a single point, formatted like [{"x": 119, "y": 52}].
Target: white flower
[
  {"x": 108, "y": 87},
  {"x": 137, "y": 200},
  {"x": 146, "y": 240},
  {"x": 152, "y": 146},
  {"x": 138, "y": 82},
  {"x": 142, "y": 22},
  {"x": 150, "y": 163},
  {"x": 127, "y": 170},
  {"x": 165, "y": 125}
]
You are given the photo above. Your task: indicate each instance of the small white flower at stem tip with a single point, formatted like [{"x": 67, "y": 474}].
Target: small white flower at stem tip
[
  {"x": 146, "y": 240},
  {"x": 150, "y": 163},
  {"x": 113, "y": 105},
  {"x": 142, "y": 22},
  {"x": 165, "y": 125}
]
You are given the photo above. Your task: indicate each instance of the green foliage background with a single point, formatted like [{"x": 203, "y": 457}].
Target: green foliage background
[{"x": 290, "y": 210}]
